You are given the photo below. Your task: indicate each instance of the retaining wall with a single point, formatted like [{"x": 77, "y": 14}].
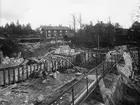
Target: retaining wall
[{"x": 20, "y": 73}]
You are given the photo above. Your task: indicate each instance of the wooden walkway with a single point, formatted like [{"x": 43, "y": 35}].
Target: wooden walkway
[{"x": 79, "y": 91}]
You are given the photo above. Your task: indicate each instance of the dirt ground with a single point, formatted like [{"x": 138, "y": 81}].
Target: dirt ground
[
  {"x": 33, "y": 91},
  {"x": 38, "y": 90}
]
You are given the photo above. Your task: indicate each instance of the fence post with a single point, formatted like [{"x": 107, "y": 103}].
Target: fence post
[
  {"x": 13, "y": 75},
  {"x": 37, "y": 67},
  {"x": 55, "y": 65},
  {"x": 46, "y": 66},
  {"x": 4, "y": 82},
  {"x": 107, "y": 64},
  {"x": 88, "y": 56},
  {"x": 18, "y": 74},
  {"x": 96, "y": 59},
  {"x": 117, "y": 56},
  {"x": 111, "y": 63},
  {"x": 72, "y": 96},
  {"x": 34, "y": 68},
  {"x": 9, "y": 81},
  {"x": 30, "y": 69},
  {"x": 26, "y": 67},
  {"x": 22, "y": 73},
  {"x": 96, "y": 76},
  {"x": 52, "y": 66},
  {"x": 103, "y": 70},
  {"x": 87, "y": 83}
]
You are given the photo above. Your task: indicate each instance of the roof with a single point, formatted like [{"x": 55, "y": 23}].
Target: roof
[{"x": 55, "y": 28}]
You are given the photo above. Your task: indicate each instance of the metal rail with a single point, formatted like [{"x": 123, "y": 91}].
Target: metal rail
[{"x": 89, "y": 85}]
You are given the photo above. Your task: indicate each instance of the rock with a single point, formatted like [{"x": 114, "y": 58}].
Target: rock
[
  {"x": 78, "y": 74},
  {"x": 26, "y": 99},
  {"x": 48, "y": 87},
  {"x": 31, "y": 104},
  {"x": 40, "y": 97},
  {"x": 7, "y": 93},
  {"x": 44, "y": 81},
  {"x": 55, "y": 75},
  {"x": 3, "y": 100},
  {"x": 14, "y": 85},
  {"x": 57, "y": 72},
  {"x": 61, "y": 102}
]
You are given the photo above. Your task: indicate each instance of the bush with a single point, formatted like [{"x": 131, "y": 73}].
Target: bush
[{"x": 9, "y": 47}]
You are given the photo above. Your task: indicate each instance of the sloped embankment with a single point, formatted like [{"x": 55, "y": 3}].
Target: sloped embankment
[{"x": 117, "y": 88}]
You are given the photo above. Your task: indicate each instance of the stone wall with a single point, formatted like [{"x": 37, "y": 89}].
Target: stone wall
[{"x": 116, "y": 88}]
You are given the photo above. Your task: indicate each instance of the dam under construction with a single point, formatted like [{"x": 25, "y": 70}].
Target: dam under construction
[{"x": 73, "y": 77}]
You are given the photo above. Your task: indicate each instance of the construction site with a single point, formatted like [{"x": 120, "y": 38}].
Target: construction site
[
  {"x": 72, "y": 76},
  {"x": 70, "y": 52}
]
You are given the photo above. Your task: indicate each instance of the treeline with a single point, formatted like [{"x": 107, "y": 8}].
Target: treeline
[
  {"x": 17, "y": 30},
  {"x": 101, "y": 34},
  {"x": 105, "y": 35}
]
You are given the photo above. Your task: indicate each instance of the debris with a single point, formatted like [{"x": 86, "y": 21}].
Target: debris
[
  {"x": 26, "y": 99},
  {"x": 40, "y": 98},
  {"x": 78, "y": 74},
  {"x": 8, "y": 62},
  {"x": 14, "y": 85},
  {"x": 31, "y": 104},
  {"x": 48, "y": 87},
  {"x": 55, "y": 75},
  {"x": 7, "y": 93},
  {"x": 70, "y": 70},
  {"x": 44, "y": 81},
  {"x": 65, "y": 50},
  {"x": 4, "y": 102}
]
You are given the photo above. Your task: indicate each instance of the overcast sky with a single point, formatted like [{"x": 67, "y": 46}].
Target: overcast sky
[{"x": 55, "y": 12}]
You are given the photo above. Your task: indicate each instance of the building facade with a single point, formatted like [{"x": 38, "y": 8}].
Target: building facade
[{"x": 54, "y": 32}]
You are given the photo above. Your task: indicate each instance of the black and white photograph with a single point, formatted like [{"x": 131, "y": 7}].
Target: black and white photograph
[{"x": 69, "y": 52}]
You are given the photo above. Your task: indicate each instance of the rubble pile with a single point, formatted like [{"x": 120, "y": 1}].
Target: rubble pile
[
  {"x": 65, "y": 50},
  {"x": 110, "y": 54},
  {"x": 125, "y": 68},
  {"x": 9, "y": 62},
  {"x": 31, "y": 46},
  {"x": 121, "y": 50}
]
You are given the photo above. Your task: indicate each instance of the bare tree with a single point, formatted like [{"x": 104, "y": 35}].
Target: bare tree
[
  {"x": 74, "y": 22},
  {"x": 136, "y": 15},
  {"x": 80, "y": 21}
]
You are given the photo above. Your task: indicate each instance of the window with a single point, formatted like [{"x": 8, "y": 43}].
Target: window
[
  {"x": 54, "y": 34},
  {"x": 49, "y": 35},
  {"x": 49, "y": 31}
]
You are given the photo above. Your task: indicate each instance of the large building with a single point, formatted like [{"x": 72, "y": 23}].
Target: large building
[{"x": 55, "y": 32}]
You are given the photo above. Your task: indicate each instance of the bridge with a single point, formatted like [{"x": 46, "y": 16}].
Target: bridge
[{"x": 79, "y": 91}]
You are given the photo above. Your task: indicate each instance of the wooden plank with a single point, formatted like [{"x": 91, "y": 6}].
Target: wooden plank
[
  {"x": 14, "y": 75},
  {"x": 9, "y": 81},
  {"x": 4, "y": 81}
]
